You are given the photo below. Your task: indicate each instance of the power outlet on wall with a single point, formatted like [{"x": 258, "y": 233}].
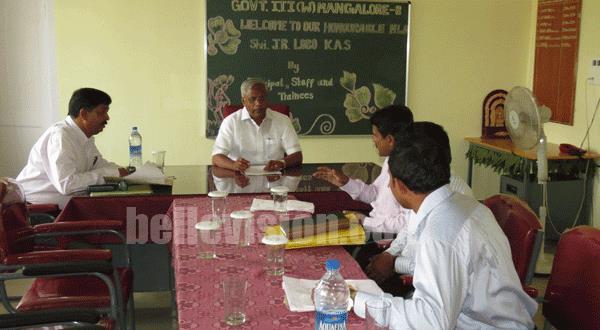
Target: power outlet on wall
[{"x": 595, "y": 71}]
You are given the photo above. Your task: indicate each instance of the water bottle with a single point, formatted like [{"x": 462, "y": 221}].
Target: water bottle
[
  {"x": 331, "y": 299},
  {"x": 135, "y": 148}
]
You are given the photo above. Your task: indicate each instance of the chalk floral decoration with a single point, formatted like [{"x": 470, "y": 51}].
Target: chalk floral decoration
[
  {"x": 358, "y": 100},
  {"x": 222, "y": 35},
  {"x": 217, "y": 100}
]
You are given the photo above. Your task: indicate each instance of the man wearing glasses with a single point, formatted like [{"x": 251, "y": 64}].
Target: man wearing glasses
[{"x": 256, "y": 135}]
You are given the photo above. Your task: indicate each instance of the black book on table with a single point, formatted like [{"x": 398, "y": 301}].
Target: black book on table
[{"x": 310, "y": 226}]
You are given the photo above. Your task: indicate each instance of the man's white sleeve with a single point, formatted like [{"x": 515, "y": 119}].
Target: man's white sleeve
[
  {"x": 359, "y": 190},
  {"x": 224, "y": 142},
  {"x": 290, "y": 139},
  {"x": 61, "y": 167}
]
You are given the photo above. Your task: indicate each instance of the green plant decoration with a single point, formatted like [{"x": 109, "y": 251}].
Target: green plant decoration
[
  {"x": 224, "y": 35},
  {"x": 357, "y": 103}
]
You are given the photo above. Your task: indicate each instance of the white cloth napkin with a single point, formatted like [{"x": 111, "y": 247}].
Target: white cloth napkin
[
  {"x": 298, "y": 291},
  {"x": 291, "y": 205}
]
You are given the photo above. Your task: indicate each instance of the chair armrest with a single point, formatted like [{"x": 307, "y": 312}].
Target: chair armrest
[
  {"x": 57, "y": 256},
  {"x": 43, "y": 208},
  {"x": 532, "y": 292},
  {"x": 63, "y": 268},
  {"x": 384, "y": 244},
  {"x": 50, "y": 317},
  {"x": 70, "y": 226},
  {"x": 406, "y": 280}
]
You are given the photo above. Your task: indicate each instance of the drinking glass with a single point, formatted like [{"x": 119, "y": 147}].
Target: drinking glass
[
  {"x": 242, "y": 224},
  {"x": 234, "y": 298},
  {"x": 275, "y": 246},
  {"x": 207, "y": 235},
  {"x": 158, "y": 156},
  {"x": 218, "y": 202},
  {"x": 378, "y": 314},
  {"x": 280, "y": 196}
]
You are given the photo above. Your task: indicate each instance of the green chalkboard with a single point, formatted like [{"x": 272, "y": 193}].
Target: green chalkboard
[{"x": 332, "y": 62}]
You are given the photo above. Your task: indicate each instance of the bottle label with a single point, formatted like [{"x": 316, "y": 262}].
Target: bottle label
[
  {"x": 135, "y": 150},
  {"x": 331, "y": 321}
]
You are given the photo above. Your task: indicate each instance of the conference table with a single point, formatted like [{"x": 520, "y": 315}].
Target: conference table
[
  {"x": 160, "y": 249},
  {"x": 199, "y": 296}
]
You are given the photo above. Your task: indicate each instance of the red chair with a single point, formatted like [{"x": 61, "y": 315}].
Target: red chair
[
  {"x": 62, "y": 278},
  {"x": 572, "y": 299},
  {"x": 281, "y": 108},
  {"x": 51, "y": 319},
  {"x": 523, "y": 230}
]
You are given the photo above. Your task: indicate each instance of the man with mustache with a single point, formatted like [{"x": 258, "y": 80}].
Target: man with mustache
[
  {"x": 256, "y": 135},
  {"x": 65, "y": 159}
]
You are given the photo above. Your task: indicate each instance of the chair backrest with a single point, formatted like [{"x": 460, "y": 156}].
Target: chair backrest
[
  {"x": 573, "y": 292},
  {"x": 281, "y": 108},
  {"x": 15, "y": 230},
  {"x": 523, "y": 230}
]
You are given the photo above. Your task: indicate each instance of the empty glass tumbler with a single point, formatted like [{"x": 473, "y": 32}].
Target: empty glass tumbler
[{"x": 218, "y": 202}]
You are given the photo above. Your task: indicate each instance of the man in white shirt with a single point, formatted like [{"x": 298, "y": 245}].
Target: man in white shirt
[
  {"x": 387, "y": 216},
  {"x": 464, "y": 275},
  {"x": 65, "y": 160},
  {"x": 256, "y": 135}
]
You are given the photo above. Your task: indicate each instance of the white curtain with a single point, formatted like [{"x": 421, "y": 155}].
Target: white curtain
[{"x": 28, "y": 80}]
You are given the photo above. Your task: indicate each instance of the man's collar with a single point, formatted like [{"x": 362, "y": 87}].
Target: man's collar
[
  {"x": 430, "y": 202},
  {"x": 80, "y": 134}
]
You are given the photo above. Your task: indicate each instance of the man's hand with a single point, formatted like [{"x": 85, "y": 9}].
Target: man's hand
[
  {"x": 241, "y": 164},
  {"x": 273, "y": 178},
  {"x": 123, "y": 172},
  {"x": 241, "y": 180},
  {"x": 381, "y": 267},
  {"x": 332, "y": 176},
  {"x": 274, "y": 165}
]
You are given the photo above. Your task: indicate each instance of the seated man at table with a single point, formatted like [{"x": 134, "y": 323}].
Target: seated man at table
[
  {"x": 464, "y": 275},
  {"x": 65, "y": 159},
  {"x": 403, "y": 246},
  {"x": 387, "y": 216},
  {"x": 256, "y": 135}
]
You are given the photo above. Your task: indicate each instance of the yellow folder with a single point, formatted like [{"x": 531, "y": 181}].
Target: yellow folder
[{"x": 355, "y": 235}]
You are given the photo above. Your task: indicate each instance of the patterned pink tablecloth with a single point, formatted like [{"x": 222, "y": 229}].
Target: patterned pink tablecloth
[{"x": 198, "y": 282}]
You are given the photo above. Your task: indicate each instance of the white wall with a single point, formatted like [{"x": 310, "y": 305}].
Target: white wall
[{"x": 28, "y": 84}]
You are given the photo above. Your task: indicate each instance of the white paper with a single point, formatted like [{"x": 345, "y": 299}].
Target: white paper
[
  {"x": 259, "y": 170},
  {"x": 148, "y": 173},
  {"x": 298, "y": 292},
  {"x": 291, "y": 205}
]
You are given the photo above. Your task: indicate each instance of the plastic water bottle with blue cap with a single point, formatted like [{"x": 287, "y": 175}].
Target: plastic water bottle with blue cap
[
  {"x": 135, "y": 148},
  {"x": 331, "y": 299}
]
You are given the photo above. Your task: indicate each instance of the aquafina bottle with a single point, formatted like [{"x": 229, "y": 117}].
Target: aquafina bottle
[
  {"x": 135, "y": 148},
  {"x": 331, "y": 299}
]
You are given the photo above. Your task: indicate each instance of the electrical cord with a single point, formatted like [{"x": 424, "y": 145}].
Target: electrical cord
[
  {"x": 545, "y": 202},
  {"x": 587, "y": 132}
]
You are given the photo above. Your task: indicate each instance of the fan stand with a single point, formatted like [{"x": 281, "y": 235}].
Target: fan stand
[{"x": 544, "y": 261}]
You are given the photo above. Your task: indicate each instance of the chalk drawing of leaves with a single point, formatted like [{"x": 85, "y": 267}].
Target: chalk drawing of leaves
[
  {"x": 357, "y": 104},
  {"x": 224, "y": 35},
  {"x": 383, "y": 96},
  {"x": 348, "y": 81}
]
